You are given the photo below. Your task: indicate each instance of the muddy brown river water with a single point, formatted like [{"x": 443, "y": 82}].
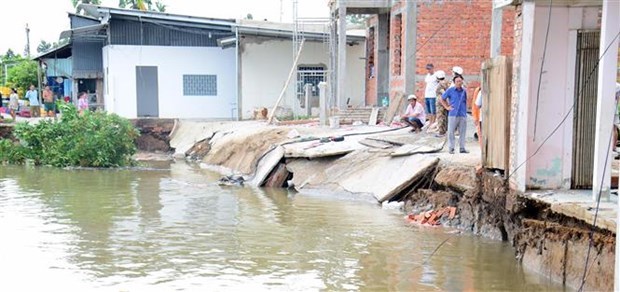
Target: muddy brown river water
[{"x": 166, "y": 227}]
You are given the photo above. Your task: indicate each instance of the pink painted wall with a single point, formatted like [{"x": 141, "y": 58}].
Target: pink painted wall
[{"x": 551, "y": 167}]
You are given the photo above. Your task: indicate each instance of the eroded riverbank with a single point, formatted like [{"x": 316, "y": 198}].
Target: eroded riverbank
[
  {"x": 426, "y": 178},
  {"x": 391, "y": 164}
]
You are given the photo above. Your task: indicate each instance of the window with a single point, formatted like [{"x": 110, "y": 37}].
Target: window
[
  {"x": 370, "y": 47},
  {"x": 308, "y": 74},
  {"x": 200, "y": 85},
  {"x": 397, "y": 26}
]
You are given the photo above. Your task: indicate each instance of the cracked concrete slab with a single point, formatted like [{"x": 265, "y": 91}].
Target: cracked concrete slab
[{"x": 365, "y": 172}]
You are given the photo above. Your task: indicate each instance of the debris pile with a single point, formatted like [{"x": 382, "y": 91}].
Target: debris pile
[{"x": 432, "y": 217}]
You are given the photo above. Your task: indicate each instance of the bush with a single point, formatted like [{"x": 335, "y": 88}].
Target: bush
[
  {"x": 11, "y": 152},
  {"x": 90, "y": 139}
]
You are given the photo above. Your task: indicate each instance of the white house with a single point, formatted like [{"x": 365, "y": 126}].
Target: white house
[
  {"x": 177, "y": 66},
  {"x": 266, "y": 53}
]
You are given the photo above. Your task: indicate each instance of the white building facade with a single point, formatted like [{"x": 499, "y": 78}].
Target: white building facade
[
  {"x": 182, "y": 82},
  {"x": 161, "y": 65}
]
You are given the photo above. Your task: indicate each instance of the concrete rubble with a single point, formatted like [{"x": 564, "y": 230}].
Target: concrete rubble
[{"x": 325, "y": 160}]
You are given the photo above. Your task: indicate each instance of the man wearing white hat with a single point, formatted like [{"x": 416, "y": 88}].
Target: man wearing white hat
[
  {"x": 414, "y": 115},
  {"x": 458, "y": 71},
  {"x": 457, "y": 113}
]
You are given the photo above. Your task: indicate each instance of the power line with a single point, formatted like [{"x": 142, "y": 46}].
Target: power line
[
  {"x": 598, "y": 201},
  {"x": 591, "y": 234},
  {"x": 569, "y": 110},
  {"x": 542, "y": 66}
]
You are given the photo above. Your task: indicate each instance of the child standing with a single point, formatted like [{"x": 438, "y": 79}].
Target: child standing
[
  {"x": 83, "y": 102},
  {"x": 13, "y": 103}
]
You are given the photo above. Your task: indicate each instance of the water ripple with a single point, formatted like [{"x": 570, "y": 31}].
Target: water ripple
[{"x": 172, "y": 228}]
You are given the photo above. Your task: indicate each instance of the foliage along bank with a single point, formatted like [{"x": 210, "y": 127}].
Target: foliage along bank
[{"x": 90, "y": 139}]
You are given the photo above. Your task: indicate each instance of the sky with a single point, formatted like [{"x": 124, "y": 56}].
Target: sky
[{"x": 48, "y": 21}]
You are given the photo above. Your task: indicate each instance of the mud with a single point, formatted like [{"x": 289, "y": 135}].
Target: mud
[
  {"x": 154, "y": 134},
  {"x": 241, "y": 151},
  {"x": 199, "y": 150},
  {"x": 6, "y": 132},
  {"x": 546, "y": 242}
]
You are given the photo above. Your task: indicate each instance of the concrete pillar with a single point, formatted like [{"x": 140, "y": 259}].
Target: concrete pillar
[
  {"x": 323, "y": 103},
  {"x": 39, "y": 89},
  {"x": 382, "y": 64},
  {"x": 238, "y": 70},
  {"x": 308, "y": 97},
  {"x": 496, "y": 32},
  {"x": 333, "y": 59},
  {"x": 410, "y": 19},
  {"x": 341, "y": 98},
  {"x": 604, "y": 112},
  {"x": 605, "y": 107},
  {"x": 521, "y": 138},
  {"x": 74, "y": 94}
]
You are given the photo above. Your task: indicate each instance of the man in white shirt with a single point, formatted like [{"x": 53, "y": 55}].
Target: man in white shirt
[
  {"x": 414, "y": 115},
  {"x": 430, "y": 93},
  {"x": 33, "y": 98}
]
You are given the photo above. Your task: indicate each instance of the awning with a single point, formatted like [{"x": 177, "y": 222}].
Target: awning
[
  {"x": 91, "y": 31},
  {"x": 62, "y": 52}
]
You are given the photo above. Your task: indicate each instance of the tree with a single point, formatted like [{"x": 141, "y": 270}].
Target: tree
[
  {"x": 161, "y": 7},
  {"x": 145, "y": 5},
  {"x": 23, "y": 74},
  {"x": 357, "y": 19},
  {"x": 9, "y": 60},
  {"x": 9, "y": 55},
  {"x": 44, "y": 47},
  {"x": 76, "y": 4},
  {"x": 249, "y": 16}
]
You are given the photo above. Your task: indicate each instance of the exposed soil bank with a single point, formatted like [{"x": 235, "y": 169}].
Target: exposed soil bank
[
  {"x": 549, "y": 243},
  {"x": 6, "y": 131},
  {"x": 154, "y": 134}
]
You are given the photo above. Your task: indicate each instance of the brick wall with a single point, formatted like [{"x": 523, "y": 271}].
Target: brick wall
[
  {"x": 397, "y": 48},
  {"x": 449, "y": 33},
  {"x": 458, "y": 33},
  {"x": 371, "y": 63}
]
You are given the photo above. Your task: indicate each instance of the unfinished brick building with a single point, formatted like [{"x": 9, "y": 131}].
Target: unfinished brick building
[{"x": 403, "y": 36}]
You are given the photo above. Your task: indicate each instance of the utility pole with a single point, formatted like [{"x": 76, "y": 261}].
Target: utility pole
[
  {"x": 27, "y": 51},
  {"x": 281, "y": 11}
]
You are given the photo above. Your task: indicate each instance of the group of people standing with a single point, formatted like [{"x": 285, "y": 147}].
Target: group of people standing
[
  {"x": 49, "y": 102},
  {"x": 445, "y": 106}
]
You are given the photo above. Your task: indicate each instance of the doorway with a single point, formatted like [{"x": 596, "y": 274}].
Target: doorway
[
  {"x": 585, "y": 99},
  {"x": 147, "y": 91}
]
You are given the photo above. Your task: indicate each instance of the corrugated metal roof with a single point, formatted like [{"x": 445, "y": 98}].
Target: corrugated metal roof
[
  {"x": 102, "y": 11},
  {"x": 263, "y": 28},
  {"x": 63, "y": 51},
  {"x": 131, "y": 32}
]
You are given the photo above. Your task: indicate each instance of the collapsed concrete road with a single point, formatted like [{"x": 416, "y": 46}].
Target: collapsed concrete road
[{"x": 320, "y": 160}]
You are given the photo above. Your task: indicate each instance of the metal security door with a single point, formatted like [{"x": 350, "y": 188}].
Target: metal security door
[
  {"x": 147, "y": 91},
  {"x": 584, "y": 124}
]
